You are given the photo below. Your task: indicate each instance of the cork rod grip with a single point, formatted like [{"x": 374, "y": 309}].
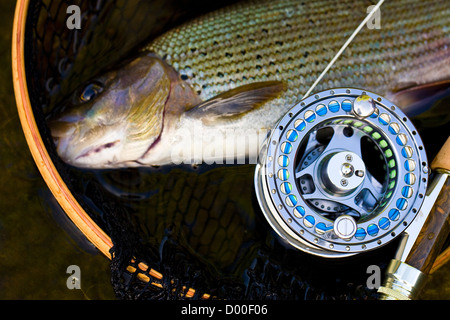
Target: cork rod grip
[
  {"x": 433, "y": 234},
  {"x": 442, "y": 159}
]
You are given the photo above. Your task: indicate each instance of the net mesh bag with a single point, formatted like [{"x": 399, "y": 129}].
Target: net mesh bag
[{"x": 178, "y": 232}]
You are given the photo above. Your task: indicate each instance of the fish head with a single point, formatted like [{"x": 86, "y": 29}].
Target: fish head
[{"x": 114, "y": 118}]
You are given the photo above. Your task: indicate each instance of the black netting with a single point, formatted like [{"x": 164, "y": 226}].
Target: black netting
[{"x": 199, "y": 228}]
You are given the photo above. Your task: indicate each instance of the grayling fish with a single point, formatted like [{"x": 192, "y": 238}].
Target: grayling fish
[{"x": 212, "y": 88}]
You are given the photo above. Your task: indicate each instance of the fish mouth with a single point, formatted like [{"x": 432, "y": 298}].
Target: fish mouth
[
  {"x": 97, "y": 149},
  {"x": 62, "y": 133}
]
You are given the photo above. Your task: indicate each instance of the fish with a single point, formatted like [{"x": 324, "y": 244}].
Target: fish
[{"x": 211, "y": 89}]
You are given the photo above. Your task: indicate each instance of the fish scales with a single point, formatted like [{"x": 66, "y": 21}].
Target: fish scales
[{"x": 293, "y": 41}]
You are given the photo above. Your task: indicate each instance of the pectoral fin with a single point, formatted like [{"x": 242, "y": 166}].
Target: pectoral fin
[{"x": 235, "y": 103}]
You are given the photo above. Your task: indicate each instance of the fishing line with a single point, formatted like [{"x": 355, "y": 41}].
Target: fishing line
[{"x": 349, "y": 40}]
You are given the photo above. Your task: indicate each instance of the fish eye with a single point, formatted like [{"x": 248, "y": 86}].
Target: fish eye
[{"x": 91, "y": 91}]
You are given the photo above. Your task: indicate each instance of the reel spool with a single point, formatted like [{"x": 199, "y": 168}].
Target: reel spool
[{"x": 343, "y": 172}]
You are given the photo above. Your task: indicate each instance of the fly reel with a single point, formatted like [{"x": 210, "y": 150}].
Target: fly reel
[{"x": 343, "y": 172}]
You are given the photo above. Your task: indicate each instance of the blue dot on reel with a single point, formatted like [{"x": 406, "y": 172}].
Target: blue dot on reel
[
  {"x": 384, "y": 223},
  {"x": 333, "y": 106}
]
